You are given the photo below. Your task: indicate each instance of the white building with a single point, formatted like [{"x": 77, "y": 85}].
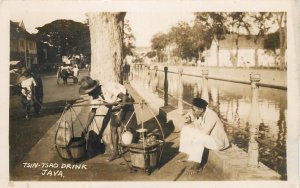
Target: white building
[{"x": 246, "y": 52}]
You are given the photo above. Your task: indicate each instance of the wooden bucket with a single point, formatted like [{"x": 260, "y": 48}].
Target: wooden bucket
[
  {"x": 144, "y": 158},
  {"x": 75, "y": 150}
]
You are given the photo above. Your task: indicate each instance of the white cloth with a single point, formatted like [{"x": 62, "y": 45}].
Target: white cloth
[
  {"x": 129, "y": 59},
  {"x": 192, "y": 142},
  {"x": 75, "y": 71},
  {"x": 67, "y": 68},
  {"x": 110, "y": 91},
  {"x": 27, "y": 86},
  {"x": 206, "y": 131}
]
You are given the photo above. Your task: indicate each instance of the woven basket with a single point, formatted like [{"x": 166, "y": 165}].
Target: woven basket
[{"x": 75, "y": 150}]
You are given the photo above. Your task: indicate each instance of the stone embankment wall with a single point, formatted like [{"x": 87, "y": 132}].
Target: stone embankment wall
[{"x": 268, "y": 76}]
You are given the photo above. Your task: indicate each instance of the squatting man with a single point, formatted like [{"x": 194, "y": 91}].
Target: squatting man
[
  {"x": 108, "y": 93},
  {"x": 203, "y": 129}
]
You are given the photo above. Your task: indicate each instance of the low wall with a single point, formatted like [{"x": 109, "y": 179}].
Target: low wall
[{"x": 268, "y": 76}]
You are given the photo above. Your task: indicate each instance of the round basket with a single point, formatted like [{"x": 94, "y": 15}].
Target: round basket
[{"x": 75, "y": 150}]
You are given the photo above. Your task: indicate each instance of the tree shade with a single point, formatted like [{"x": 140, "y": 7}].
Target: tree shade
[{"x": 67, "y": 36}]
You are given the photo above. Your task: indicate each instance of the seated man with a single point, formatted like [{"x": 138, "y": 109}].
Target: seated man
[
  {"x": 65, "y": 72},
  {"x": 205, "y": 130}
]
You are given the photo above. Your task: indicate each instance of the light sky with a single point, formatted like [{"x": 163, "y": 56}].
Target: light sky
[{"x": 144, "y": 25}]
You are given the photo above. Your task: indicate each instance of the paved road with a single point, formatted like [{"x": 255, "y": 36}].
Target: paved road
[{"x": 24, "y": 134}]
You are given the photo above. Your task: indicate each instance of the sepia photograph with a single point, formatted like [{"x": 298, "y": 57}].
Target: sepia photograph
[{"x": 175, "y": 93}]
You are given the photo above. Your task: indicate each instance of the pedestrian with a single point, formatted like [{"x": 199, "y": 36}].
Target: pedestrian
[
  {"x": 65, "y": 72},
  {"x": 112, "y": 94},
  {"x": 204, "y": 129},
  {"x": 75, "y": 74},
  {"x": 38, "y": 93},
  {"x": 28, "y": 84},
  {"x": 126, "y": 71},
  {"x": 199, "y": 63}
]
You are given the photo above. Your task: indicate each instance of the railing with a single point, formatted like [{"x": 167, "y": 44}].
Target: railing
[
  {"x": 275, "y": 67},
  {"x": 254, "y": 117}
]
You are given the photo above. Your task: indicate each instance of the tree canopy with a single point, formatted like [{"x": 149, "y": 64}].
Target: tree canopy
[
  {"x": 128, "y": 39},
  {"x": 183, "y": 41},
  {"x": 189, "y": 40},
  {"x": 67, "y": 36}
]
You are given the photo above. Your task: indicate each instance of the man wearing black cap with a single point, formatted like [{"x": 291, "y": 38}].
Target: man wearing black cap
[
  {"x": 204, "y": 130},
  {"x": 112, "y": 94}
]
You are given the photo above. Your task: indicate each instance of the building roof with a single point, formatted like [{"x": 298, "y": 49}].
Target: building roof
[
  {"x": 18, "y": 29},
  {"x": 14, "y": 62},
  {"x": 245, "y": 42}
]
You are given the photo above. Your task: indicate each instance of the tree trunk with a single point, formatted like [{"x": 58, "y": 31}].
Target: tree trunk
[
  {"x": 235, "y": 62},
  {"x": 281, "y": 53},
  {"x": 256, "y": 55},
  {"x": 218, "y": 55},
  {"x": 256, "y": 41},
  {"x": 106, "y": 30},
  {"x": 282, "y": 37},
  {"x": 284, "y": 45}
]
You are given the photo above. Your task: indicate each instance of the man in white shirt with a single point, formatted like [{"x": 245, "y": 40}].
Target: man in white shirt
[
  {"x": 111, "y": 93},
  {"x": 27, "y": 87},
  {"x": 75, "y": 73},
  {"x": 204, "y": 130}
]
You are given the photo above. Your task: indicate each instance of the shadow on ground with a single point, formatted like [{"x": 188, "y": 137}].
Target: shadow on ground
[
  {"x": 24, "y": 134},
  {"x": 49, "y": 108}
]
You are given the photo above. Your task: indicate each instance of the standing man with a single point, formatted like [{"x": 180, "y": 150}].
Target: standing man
[
  {"x": 112, "y": 94},
  {"x": 75, "y": 73},
  {"x": 38, "y": 93},
  {"x": 27, "y": 89},
  {"x": 204, "y": 130},
  {"x": 126, "y": 71}
]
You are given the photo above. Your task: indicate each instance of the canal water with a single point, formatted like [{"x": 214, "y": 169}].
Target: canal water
[{"x": 232, "y": 101}]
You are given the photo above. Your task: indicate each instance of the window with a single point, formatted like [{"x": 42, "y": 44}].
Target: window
[
  {"x": 31, "y": 45},
  {"x": 22, "y": 44},
  {"x": 14, "y": 44},
  {"x": 34, "y": 60}
]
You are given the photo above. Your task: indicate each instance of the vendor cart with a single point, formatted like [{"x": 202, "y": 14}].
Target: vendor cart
[
  {"x": 146, "y": 152},
  {"x": 63, "y": 75}
]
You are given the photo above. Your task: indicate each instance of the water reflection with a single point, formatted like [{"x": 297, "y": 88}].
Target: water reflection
[{"x": 232, "y": 101}]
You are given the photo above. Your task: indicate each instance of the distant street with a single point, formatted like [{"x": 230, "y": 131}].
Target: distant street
[{"x": 24, "y": 134}]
